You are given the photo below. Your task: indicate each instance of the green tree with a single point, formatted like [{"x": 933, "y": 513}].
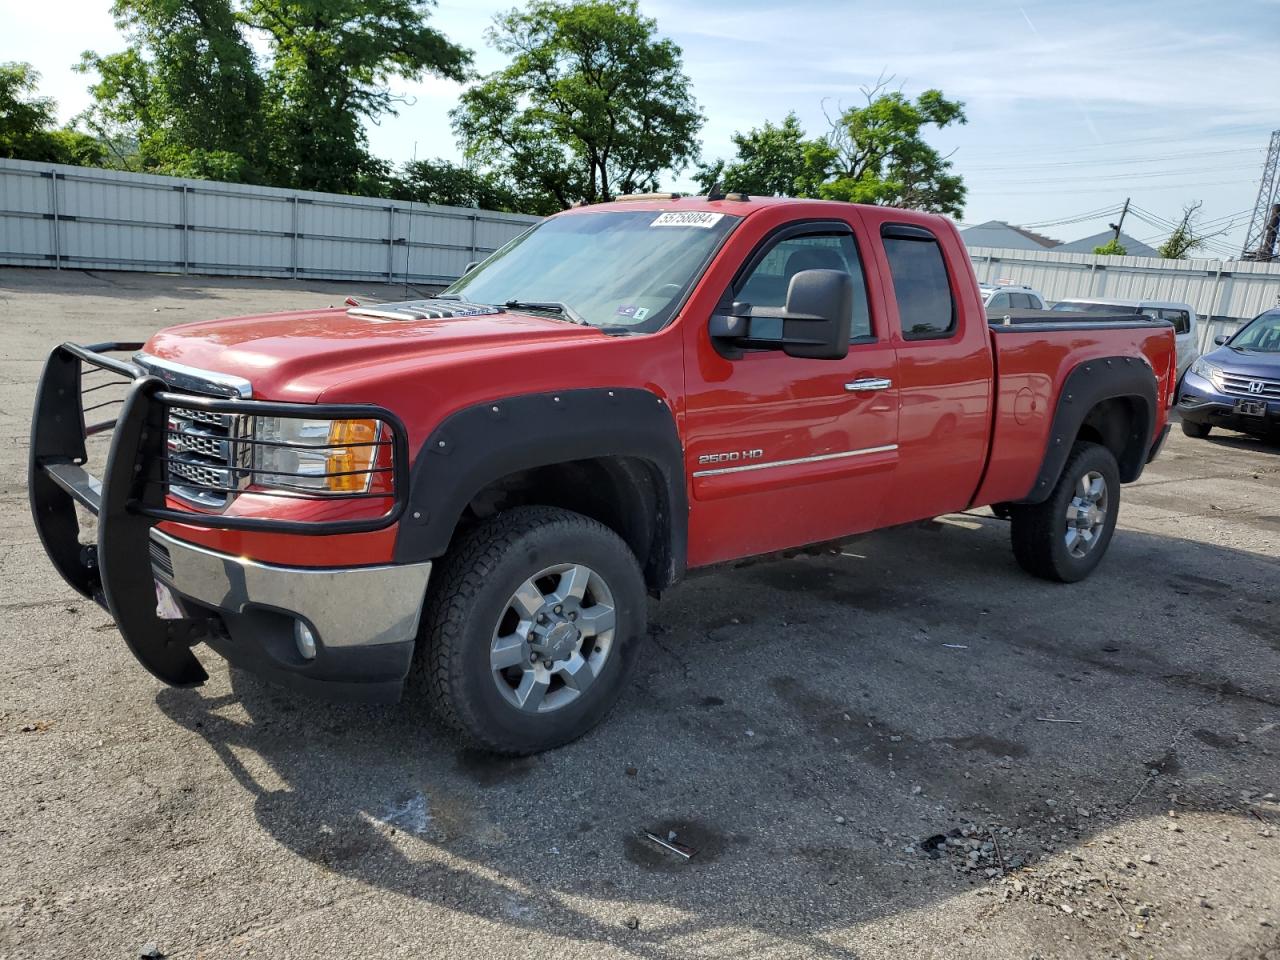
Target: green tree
[
  {"x": 871, "y": 154},
  {"x": 185, "y": 96},
  {"x": 771, "y": 161},
  {"x": 27, "y": 121},
  {"x": 1112, "y": 248},
  {"x": 593, "y": 104},
  {"x": 880, "y": 155},
  {"x": 445, "y": 183},
  {"x": 332, "y": 61},
  {"x": 1185, "y": 238}
]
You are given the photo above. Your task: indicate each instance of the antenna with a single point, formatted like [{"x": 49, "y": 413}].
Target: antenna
[
  {"x": 408, "y": 243},
  {"x": 1260, "y": 240}
]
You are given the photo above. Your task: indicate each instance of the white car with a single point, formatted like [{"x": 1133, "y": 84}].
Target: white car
[
  {"x": 1010, "y": 296},
  {"x": 1181, "y": 315}
]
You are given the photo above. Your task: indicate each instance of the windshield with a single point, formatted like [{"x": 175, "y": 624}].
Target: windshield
[
  {"x": 1076, "y": 307},
  {"x": 1261, "y": 335},
  {"x": 622, "y": 271}
]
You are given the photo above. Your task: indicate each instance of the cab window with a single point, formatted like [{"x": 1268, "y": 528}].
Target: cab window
[
  {"x": 767, "y": 283},
  {"x": 926, "y": 309},
  {"x": 1180, "y": 319},
  {"x": 999, "y": 302}
]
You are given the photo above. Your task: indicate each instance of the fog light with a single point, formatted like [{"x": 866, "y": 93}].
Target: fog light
[{"x": 305, "y": 639}]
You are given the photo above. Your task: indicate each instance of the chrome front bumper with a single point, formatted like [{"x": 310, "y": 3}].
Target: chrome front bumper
[{"x": 364, "y": 619}]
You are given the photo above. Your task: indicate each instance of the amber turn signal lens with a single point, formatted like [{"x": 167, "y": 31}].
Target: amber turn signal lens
[{"x": 351, "y": 455}]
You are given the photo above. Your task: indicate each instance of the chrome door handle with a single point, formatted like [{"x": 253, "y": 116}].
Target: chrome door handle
[{"x": 869, "y": 383}]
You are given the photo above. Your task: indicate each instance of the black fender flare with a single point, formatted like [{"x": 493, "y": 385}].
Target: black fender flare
[
  {"x": 478, "y": 445},
  {"x": 1088, "y": 384}
]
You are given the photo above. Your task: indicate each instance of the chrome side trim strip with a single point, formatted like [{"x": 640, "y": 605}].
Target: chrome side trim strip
[
  {"x": 183, "y": 377},
  {"x": 799, "y": 460}
]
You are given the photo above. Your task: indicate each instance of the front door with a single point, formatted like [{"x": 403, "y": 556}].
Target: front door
[{"x": 784, "y": 451}]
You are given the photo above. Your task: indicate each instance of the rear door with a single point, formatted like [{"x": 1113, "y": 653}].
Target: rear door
[
  {"x": 945, "y": 371},
  {"x": 784, "y": 451}
]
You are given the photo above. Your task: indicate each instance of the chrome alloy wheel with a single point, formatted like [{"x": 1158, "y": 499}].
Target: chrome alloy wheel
[
  {"x": 1086, "y": 514},
  {"x": 552, "y": 638}
]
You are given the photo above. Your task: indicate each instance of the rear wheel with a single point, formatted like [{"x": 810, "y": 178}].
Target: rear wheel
[
  {"x": 1197, "y": 430},
  {"x": 532, "y": 629},
  {"x": 1065, "y": 537}
]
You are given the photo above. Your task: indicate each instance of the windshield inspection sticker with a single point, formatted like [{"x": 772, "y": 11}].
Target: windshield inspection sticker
[
  {"x": 687, "y": 218},
  {"x": 636, "y": 313}
]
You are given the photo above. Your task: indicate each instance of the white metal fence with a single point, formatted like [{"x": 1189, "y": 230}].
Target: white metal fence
[
  {"x": 1223, "y": 293},
  {"x": 61, "y": 216}
]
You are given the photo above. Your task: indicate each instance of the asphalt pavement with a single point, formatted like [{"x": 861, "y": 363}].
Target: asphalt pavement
[{"x": 906, "y": 749}]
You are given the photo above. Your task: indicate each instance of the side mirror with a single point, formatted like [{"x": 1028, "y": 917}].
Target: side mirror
[
  {"x": 815, "y": 321},
  {"x": 1220, "y": 339},
  {"x": 470, "y": 266},
  {"x": 819, "y": 312}
]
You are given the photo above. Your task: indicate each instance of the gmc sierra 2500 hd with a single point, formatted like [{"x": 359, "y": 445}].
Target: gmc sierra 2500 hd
[{"x": 482, "y": 487}]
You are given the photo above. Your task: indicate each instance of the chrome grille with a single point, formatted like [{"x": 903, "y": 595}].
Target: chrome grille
[
  {"x": 206, "y": 460},
  {"x": 1238, "y": 385}
]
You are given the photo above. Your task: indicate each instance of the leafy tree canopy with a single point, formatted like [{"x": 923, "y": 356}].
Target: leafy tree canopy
[
  {"x": 27, "y": 121},
  {"x": 1113, "y": 248},
  {"x": 871, "y": 154},
  {"x": 593, "y": 104},
  {"x": 332, "y": 61},
  {"x": 189, "y": 97}
]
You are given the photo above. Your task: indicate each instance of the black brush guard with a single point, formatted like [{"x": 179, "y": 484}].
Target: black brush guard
[{"x": 130, "y": 497}]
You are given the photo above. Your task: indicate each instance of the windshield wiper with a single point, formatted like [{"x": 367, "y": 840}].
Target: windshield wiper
[{"x": 551, "y": 306}]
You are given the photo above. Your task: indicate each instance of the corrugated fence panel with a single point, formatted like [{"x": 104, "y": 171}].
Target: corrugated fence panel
[
  {"x": 60, "y": 216},
  {"x": 1229, "y": 290}
]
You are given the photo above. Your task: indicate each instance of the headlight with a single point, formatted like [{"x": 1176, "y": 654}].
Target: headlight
[
  {"x": 1203, "y": 368},
  {"x": 340, "y": 461}
]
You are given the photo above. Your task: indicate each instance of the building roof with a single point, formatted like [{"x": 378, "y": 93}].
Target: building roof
[
  {"x": 1133, "y": 247},
  {"x": 998, "y": 233}
]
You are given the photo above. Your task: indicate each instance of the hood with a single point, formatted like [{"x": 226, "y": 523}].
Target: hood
[
  {"x": 296, "y": 356},
  {"x": 1246, "y": 363}
]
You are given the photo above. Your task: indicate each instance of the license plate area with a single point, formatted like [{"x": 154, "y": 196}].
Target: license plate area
[{"x": 1251, "y": 408}]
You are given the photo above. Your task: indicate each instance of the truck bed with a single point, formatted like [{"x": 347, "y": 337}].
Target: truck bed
[{"x": 1034, "y": 351}]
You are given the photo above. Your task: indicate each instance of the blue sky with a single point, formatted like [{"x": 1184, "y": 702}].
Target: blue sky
[{"x": 1072, "y": 106}]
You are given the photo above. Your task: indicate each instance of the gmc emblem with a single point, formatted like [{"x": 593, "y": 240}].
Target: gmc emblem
[{"x": 1255, "y": 386}]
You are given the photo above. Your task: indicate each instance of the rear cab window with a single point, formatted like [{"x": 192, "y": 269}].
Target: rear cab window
[
  {"x": 769, "y": 271},
  {"x": 921, "y": 284}
]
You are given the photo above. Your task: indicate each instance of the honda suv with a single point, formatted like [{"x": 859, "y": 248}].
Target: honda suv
[{"x": 1238, "y": 385}]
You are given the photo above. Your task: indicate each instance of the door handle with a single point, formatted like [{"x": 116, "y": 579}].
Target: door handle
[{"x": 868, "y": 383}]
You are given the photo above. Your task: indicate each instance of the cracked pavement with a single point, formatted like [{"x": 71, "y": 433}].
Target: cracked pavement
[{"x": 810, "y": 727}]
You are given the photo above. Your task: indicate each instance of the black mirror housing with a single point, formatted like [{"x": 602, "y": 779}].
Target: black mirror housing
[
  {"x": 818, "y": 315},
  {"x": 1220, "y": 339}
]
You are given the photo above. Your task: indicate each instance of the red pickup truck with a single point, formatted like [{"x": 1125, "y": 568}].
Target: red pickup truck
[{"x": 482, "y": 487}]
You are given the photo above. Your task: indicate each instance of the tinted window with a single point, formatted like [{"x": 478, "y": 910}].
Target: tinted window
[
  {"x": 998, "y": 302},
  {"x": 921, "y": 287},
  {"x": 766, "y": 285},
  {"x": 1262, "y": 334},
  {"x": 1180, "y": 319},
  {"x": 1021, "y": 301}
]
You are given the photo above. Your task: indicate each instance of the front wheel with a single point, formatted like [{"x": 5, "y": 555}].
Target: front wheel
[
  {"x": 1065, "y": 537},
  {"x": 532, "y": 629},
  {"x": 1195, "y": 430}
]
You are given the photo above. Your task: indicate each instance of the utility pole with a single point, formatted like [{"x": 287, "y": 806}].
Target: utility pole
[{"x": 1116, "y": 226}]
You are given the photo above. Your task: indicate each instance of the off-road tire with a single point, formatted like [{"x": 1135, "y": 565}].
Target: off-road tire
[
  {"x": 1197, "y": 431},
  {"x": 469, "y": 590},
  {"x": 1038, "y": 530}
]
